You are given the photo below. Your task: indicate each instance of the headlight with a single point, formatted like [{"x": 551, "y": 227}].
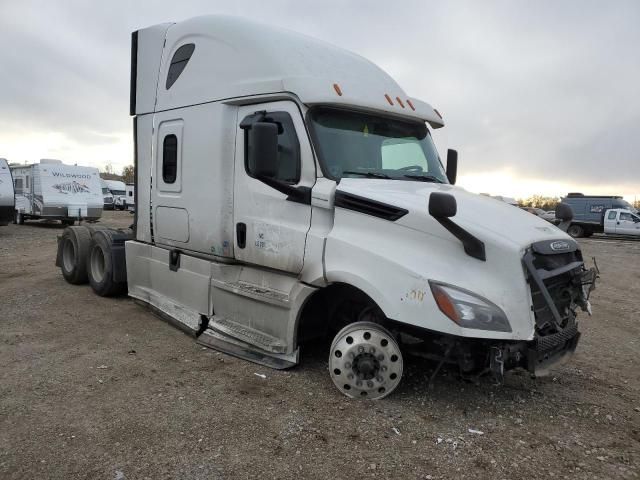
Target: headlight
[{"x": 469, "y": 310}]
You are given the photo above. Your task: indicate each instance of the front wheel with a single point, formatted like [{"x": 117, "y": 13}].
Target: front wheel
[
  {"x": 576, "y": 231},
  {"x": 365, "y": 361}
]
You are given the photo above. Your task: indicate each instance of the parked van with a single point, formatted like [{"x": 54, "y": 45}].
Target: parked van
[
  {"x": 106, "y": 195},
  {"x": 118, "y": 190},
  {"x": 289, "y": 190},
  {"x": 55, "y": 191},
  {"x": 7, "y": 201},
  {"x": 588, "y": 211}
]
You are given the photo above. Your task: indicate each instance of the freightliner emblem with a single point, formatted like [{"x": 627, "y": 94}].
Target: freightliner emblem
[{"x": 559, "y": 245}]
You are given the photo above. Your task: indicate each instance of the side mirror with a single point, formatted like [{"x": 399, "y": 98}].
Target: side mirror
[
  {"x": 263, "y": 149},
  {"x": 564, "y": 212},
  {"x": 452, "y": 166},
  {"x": 442, "y": 205}
]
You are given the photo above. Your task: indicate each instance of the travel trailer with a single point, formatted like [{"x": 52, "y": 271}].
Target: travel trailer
[
  {"x": 130, "y": 191},
  {"x": 106, "y": 195},
  {"x": 288, "y": 190},
  {"x": 118, "y": 190},
  {"x": 54, "y": 191},
  {"x": 7, "y": 200}
]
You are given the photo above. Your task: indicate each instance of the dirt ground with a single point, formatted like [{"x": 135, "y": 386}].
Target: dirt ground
[{"x": 101, "y": 388}]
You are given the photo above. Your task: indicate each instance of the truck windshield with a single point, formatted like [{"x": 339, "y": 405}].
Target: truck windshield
[{"x": 360, "y": 145}]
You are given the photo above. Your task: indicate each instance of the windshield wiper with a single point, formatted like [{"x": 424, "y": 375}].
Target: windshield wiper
[
  {"x": 424, "y": 178},
  {"x": 368, "y": 174}
]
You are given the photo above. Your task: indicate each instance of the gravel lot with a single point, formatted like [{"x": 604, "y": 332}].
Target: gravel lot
[{"x": 101, "y": 388}]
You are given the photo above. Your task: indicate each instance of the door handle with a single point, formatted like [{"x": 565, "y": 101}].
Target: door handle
[{"x": 241, "y": 235}]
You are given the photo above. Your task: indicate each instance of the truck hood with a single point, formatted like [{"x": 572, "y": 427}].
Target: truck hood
[{"x": 490, "y": 220}]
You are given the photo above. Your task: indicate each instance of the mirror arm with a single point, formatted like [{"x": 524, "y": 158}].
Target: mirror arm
[
  {"x": 473, "y": 246},
  {"x": 294, "y": 194}
]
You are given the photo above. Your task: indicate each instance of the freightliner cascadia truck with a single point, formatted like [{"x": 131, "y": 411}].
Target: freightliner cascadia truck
[{"x": 288, "y": 190}]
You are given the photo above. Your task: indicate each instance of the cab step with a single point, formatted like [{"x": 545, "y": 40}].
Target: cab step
[
  {"x": 247, "y": 334},
  {"x": 231, "y": 346}
]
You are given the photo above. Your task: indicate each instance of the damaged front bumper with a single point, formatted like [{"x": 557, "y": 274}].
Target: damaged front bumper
[{"x": 560, "y": 285}]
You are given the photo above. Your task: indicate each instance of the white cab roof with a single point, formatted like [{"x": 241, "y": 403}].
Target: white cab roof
[{"x": 235, "y": 57}]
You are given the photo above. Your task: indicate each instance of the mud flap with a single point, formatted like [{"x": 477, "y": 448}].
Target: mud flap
[{"x": 59, "y": 252}]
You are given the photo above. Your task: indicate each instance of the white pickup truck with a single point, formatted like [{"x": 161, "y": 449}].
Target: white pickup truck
[{"x": 619, "y": 221}]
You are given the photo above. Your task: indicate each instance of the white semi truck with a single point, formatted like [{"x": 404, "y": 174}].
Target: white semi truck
[
  {"x": 51, "y": 190},
  {"x": 7, "y": 199},
  {"x": 288, "y": 190},
  {"x": 118, "y": 190}
]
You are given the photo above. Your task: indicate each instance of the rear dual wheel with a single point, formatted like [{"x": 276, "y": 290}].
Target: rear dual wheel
[
  {"x": 365, "y": 361},
  {"x": 100, "y": 266}
]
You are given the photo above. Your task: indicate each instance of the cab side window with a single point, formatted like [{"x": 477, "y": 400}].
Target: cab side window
[
  {"x": 288, "y": 149},
  {"x": 169, "y": 158},
  {"x": 626, "y": 216},
  {"x": 612, "y": 215}
]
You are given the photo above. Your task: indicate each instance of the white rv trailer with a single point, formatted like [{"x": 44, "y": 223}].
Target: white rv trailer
[
  {"x": 118, "y": 190},
  {"x": 289, "y": 190},
  {"x": 106, "y": 195},
  {"x": 7, "y": 199},
  {"x": 55, "y": 191}
]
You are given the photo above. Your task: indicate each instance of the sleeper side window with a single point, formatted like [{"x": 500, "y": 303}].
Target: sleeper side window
[
  {"x": 178, "y": 63},
  {"x": 288, "y": 149},
  {"x": 169, "y": 159}
]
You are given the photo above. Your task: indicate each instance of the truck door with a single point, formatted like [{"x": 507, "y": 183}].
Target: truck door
[
  {"x": 628, "y": 224},
  {"x": 610, "y": 221},
  {"x": 270, "y": 230}
]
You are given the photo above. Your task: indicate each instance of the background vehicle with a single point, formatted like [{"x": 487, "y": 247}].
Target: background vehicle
[
  {"x": 107, "y": 196},
  {"x": 589, "y": 212},
  {"x": 131, "y": 196},
  {"x": 620, "y": 221},
  {"x": 296, "y": 194},
  {"x": 55, "y": 191},
  {"x": 7, "y": 200},
  {"x": 118, "y": 190}
]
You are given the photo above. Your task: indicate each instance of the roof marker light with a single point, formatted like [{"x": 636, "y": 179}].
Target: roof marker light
[
  {"x": 386, "y": 95},
  {"x": 437, "y": 113},
  {"x": 400, "y": 102},
  {"x": 336, "y": 87},
  {"x": 411, "y": 105}
]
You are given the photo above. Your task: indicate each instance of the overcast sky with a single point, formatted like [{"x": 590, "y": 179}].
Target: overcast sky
[{"x": 538, "y": 97}]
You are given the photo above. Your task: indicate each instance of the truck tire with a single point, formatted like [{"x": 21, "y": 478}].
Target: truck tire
[
  {"x": 74, "y": 248},
  {"x": 365, "y": 361},
  {"x": 100, "y": 266},
  {"x": 576, "y": 231}
]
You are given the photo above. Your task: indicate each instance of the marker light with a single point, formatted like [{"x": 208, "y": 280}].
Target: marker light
[
  {"x": 411, "y": 105},
  {"x": 400, "y": 102},
  {"x": 468, "y": 309},
  {"x": 437, "y": 113},
  {"x": 386, "y": 95},
  {"x": 336, "y": 87}
]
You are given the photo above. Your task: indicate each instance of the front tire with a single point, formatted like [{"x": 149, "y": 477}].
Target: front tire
[
  {"x": 576, "y": 231},
  {"x": 365, "y": 361}
]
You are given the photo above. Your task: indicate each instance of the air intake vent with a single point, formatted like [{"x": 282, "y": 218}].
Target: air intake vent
[{"x": 369, "y": 207}]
